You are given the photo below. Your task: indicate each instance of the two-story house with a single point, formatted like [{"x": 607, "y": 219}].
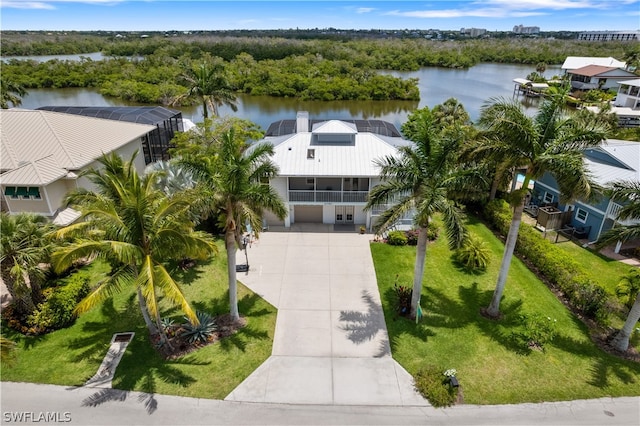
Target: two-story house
[
  {"x": 327, "y": 168},
  {"x": 612, "y": 161}
]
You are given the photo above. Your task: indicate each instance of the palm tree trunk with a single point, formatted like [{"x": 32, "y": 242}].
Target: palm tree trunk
[
  {"x": 621, "y": 340},
  {"x": 163, "y": 336},
  {"x": 494, "y": 308},
  {"x": 230, "y": 245},
  {"x": 153, "y": 330},
  {"x": 205, "y": 112},
  {"x": 494, "y": 187},
  {"x": 418, "y": 270}
]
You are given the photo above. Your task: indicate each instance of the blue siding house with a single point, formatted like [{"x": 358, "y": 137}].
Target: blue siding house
[{"x": 613, "y": 160}]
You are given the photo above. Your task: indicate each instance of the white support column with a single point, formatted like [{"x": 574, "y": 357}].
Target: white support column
[{"x": 618, "y": 247}]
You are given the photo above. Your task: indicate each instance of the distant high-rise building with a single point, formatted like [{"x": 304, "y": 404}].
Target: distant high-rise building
[
  {"x": 519, "y": 29},
  {"x": 609, "y": 35},
  {"x": 473, "y": 32}
]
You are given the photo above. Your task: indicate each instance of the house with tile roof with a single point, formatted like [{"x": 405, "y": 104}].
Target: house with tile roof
[
  {"x": 612, "y": 161},
  {"x": 599, "y": 77},
  {"x": 327, "y": 168},
  {"x": 43, "y": 153}
]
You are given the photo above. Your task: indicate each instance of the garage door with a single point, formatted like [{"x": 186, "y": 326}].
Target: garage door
[{"x": 308, "y": 214}]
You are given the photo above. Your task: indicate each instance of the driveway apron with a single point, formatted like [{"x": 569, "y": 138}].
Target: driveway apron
[{"x": 331, "y": 344}]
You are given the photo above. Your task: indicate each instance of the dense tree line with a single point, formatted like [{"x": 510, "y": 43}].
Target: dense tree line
[{"x": 148, "y": 70}]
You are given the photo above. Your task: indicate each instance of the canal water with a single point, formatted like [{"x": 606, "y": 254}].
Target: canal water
[{"x": 472, "y": 87}]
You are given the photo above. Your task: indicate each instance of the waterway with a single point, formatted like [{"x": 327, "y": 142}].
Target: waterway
[{"x": 472, "y": 87}]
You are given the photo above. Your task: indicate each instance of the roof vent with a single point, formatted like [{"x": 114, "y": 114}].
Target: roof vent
[{"x": 311, "y": 154}]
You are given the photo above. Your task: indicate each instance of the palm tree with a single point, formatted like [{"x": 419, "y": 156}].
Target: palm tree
[
  {"x": 208, "y": 84},
  {"x": 423, "y": 179},
  {"x": 232, "y": 174},
  {"x": 23, "y": 247},
  {"x": 551, "y": 142},
  {"x": 627, "y": 192},
  {"x": 138, "y": 228},
  {"x": 629, "y": 288},
  {"x": 11, "y": 93}
]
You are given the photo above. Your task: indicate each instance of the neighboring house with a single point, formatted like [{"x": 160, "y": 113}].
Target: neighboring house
[
  {"x": 626, "y": 104},
  {"x": 42, "y": 154},
  {"x": 575, "y": 62},
  {"x": 613, "y": 160},
  {"x": 327, "y": 168},
  {"x": 598, "y": 77},
  {"x": 166, "y": 121}
]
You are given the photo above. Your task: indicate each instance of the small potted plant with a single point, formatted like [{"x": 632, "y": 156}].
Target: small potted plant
[{"x": 363, "y": 229}]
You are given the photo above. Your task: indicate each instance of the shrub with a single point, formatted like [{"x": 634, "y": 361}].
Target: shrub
[
  {"x": 412, "y": 236},
  {"x": 536, "y": 330},
  {"x": 200, "y": 333},
  {"x": 555, "y": 265},
  {"x": 57, "y": 310},
  {"x": 397, "y": 238},
  {"x": 431, "y": 382},
  {"x": 474, "y": 255}
]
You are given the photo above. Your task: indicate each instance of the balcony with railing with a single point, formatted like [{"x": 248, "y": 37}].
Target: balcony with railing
[
  {"x": 614, "y": 211},
  {"x": 328, "y": 196}
]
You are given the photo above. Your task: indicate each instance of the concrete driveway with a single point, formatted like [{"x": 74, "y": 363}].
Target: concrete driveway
[{"x": 331, "y": 344}]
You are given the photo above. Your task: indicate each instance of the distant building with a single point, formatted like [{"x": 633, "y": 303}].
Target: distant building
[
  {"x": 473, "y": 32},
  {"x": 519, "y": 29},
  {"x": 609, "y": 36},
  {"x": 575, "y": 62}
]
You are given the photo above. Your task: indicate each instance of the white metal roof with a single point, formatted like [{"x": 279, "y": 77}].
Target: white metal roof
[
  {"x": 331, "y": 159},
  {"x": 575, "y": 62},
  {"x": 34, "y": 173},
  {"x": 625, "y": 152},
  {"x": 53, "y": 143},
  {"x": 635, "y": 82},
  {"x": 335, "y": 127}
]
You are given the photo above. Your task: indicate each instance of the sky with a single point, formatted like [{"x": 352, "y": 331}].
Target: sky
[{"x": 166, "y": 15}]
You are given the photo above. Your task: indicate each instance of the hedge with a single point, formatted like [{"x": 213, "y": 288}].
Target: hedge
[{"x": 556, "y": 266}]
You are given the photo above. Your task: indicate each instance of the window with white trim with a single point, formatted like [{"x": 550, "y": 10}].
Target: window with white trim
[
  {"x": 548, "y": 197},
  {"x": 581, "y": 215}
]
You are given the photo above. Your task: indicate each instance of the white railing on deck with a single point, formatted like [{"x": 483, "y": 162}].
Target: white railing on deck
[{"x": 328, "y": 196}]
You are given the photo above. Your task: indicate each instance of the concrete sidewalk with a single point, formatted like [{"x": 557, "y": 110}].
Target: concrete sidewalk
[
  {"x": 331, "y": 344},
  {"x": 30, "y": 404}
]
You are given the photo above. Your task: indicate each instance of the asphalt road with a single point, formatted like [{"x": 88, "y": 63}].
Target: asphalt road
[{"x": 25, "y": 403}]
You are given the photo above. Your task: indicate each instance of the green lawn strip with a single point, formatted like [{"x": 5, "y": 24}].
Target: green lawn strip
[
  {"x": 71, "y": 356},
  {"x": 605, "y": 271},
  {"x": 491, "y": 367}
]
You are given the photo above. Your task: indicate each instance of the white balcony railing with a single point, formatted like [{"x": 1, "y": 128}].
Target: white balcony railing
[{"x": 328, "y": 196}]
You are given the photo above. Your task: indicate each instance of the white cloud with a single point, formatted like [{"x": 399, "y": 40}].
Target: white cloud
[
  {"x": 462, "y": 13},
  {"x": 50, "y": 4},
  {"x": 365, "y": 9}
]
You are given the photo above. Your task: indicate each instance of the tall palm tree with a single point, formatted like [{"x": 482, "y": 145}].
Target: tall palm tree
[
  {"x": 207, "y": 83},
  {"x": 232, "y": 174},
  {"x": 423, "y": 179},
  {"x": 138, "y": 228},
  {"x": 23, "y": 247},
  {"x": 11, "y": 93},
  {"x": 629, "y": 288},
  {"x": 551, "y": 142}
]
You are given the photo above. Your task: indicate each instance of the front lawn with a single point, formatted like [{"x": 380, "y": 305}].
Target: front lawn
[
  {"x": 492, "y": 367},
  {"x": 71, "y": 356}
]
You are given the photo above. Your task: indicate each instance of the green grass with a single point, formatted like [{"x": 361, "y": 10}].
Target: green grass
[
  {"x": 491, "y": 367},
  {"x": 71, "y": 356},
  {"x": 605, "y": 271}
]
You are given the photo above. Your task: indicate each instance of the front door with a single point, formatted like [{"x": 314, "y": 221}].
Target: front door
[{"x": 344, "y": 215}]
